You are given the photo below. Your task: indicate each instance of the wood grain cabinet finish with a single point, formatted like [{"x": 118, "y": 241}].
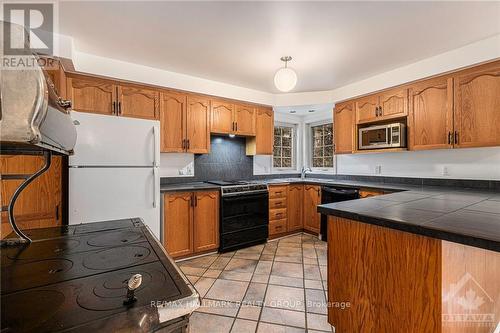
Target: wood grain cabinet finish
[
  {"x": 312, "y": 198},
  {"x": 477, "y": 106},
  {"x": 393, "y": 103},
  {"x": 244, "y": 118},
  {"x": 92, "y": 95},
  {"x": 191, "y": 222},
  {"x": 278, "y": 209},
  {"x": 295, "y": 199},
  {"x": 198, "y": 125},
  {"x": 138, "y": 102},
  {"x": 40, "y": 204},
  {"x": 184, "y": 123},
  {"x": 367, "y": 109},
  {"x": 222, "y": 117},
  {"x": 178, "y": 223},
  {"x": 344, "y": 127},
  {"x": 206, "y": 221},
  {"x": 262, "y": 143},
  {"x": 430, "y": 118},
  {"x": 172, "y": 122},
  {"x": 366, "y": 193}
]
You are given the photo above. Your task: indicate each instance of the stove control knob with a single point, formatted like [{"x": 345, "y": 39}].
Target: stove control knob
[{"x": 133, "y": 283}]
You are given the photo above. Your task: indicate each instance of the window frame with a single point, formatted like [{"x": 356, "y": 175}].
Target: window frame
[
  {"x": 293, "y": 148},
  {"x": 310, "y": 138}
]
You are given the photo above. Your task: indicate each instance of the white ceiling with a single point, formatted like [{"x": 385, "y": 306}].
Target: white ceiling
[{"x": 332, "y": 43}]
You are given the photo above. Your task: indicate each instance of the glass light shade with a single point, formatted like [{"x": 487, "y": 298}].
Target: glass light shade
[{"x": 285, "y": 79}]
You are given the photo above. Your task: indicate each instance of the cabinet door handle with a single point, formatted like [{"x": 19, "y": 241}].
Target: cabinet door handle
[
  {"x": 187, "y": 143},
  {"x": 183, "y": 144},
  {"x": 113, "y": 107},
  {"x": 449, "y": 138},
  {"x": 236, "y": 124},
  {"x": 232, "y": 126},
  {"x": 456, "y": 137},
  {"x": 119, "y": 108}
]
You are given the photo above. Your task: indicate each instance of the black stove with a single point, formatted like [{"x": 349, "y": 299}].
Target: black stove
[
  {"x": 74, "y": 278},
  {"x": 236, "y": 187},
  {"x": 244, "y": 214}
]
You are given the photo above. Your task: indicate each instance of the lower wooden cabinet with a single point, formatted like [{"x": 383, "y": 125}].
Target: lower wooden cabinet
[
  {"x": 206, "y": 221},
  {"x": 278, "y": 209},
  {"x": 295, "y": 205},
  {"x": 40, "y": 204},
  {"x": 312, "y": 198},
  {"x": 190, "y": 222}
]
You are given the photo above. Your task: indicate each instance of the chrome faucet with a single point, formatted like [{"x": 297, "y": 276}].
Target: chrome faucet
[{"x": 303, "y": 172}]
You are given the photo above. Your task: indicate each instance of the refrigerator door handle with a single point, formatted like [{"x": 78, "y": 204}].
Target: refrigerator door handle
[
  {"x": 155, "y": 203},
  {"x": 155, "y": 147}
]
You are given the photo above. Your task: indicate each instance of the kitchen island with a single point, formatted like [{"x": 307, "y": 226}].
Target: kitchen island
[{"x": 415, "y": 261}]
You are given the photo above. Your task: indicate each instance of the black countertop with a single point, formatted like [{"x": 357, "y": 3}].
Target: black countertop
[{"x": 469, "y": 217}]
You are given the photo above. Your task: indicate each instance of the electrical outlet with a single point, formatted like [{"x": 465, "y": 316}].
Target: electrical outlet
[
  {"x": 446, "y": 172},
  {"x": 378, "y": 169}
]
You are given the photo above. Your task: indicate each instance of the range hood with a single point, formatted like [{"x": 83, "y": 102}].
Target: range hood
[{"x": 32, "y": 115}]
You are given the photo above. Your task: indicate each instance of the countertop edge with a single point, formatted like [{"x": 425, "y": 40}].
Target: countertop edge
[{"x": 422, "y": 230}]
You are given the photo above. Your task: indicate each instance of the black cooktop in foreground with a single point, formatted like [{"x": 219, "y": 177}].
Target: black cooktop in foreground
[
  {"x": 71, "y": 278},
  {"x": 470, "y": 217}
]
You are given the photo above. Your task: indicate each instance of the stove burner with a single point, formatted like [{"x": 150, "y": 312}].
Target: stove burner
[
  {"x": 55, "y": 248},
  {"x": 122, "y": 237},
  {"x": 110, "y": 293},
  {"x": 116, "y": 257},
  {"x": 42, "y": 304}
]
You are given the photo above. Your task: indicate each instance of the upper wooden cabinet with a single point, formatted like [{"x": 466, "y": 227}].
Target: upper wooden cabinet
[
  {"x": 262, "y": 143},
  {"x": 382, "y": 106},
  {"x": 367, "y": 109},
  {"x": 244, "y": 119},
  {"x": 101, "y": 96},
  {"x": 477, "y": 106},
  {"x": 185, "y": 123},
  {"x": 222, "y": 115},
  {"x": 93, "y": 95},
  {"x": 344, "y": 135},
  {"x": 227, "y": 118},
  {"x": 430, "y": 118},
  {"x": 312, "y": 198},
  {"x": 172, "y": 122},
  {"x": 295, "y": 207},
  {"x": 138, "y": 102},
  {"x": 198, "y": 124}
]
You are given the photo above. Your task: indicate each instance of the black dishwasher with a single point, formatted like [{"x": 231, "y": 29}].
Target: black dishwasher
[{"x": 331, "y": 194}]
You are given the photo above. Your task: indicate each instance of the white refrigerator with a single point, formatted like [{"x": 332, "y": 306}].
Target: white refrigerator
[{"x": 114, "y": 171}]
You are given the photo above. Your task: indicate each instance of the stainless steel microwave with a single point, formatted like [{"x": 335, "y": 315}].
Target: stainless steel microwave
[{"x": 382, "y": 136}]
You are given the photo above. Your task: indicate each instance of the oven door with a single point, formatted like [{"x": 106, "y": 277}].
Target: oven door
[
  {"x": 244, "y": 211},
  {"x": 375, "y": 137}
]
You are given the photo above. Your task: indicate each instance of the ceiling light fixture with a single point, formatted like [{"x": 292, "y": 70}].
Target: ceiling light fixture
[{"x": 285, "y": 78}]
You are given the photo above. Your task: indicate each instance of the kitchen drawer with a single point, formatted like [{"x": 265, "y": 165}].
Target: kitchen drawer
[
  {"x": 277, "y": 214},
  {"x": 277, "y": 192},
  {"x": 277, "y": 227},
  {"x": 277, "y": 203}
]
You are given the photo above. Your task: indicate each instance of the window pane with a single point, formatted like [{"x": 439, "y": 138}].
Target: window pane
[
  {"x": 283, "y": 147},
  {"x": 317, "y": 162},
  {"x": 328, "y": 139},
  {"x": 329, "y": 151},
  {"x": 322, "y": 146}
]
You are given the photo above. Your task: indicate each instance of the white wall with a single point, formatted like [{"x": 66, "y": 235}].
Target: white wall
[
  {"x": 471, "y": 163},
  {"x": 176, "y": 165},
  {"x": 130, "y": 71}
]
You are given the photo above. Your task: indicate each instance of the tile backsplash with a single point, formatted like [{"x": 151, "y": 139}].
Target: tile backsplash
[{"x": 227, "y": 161}]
